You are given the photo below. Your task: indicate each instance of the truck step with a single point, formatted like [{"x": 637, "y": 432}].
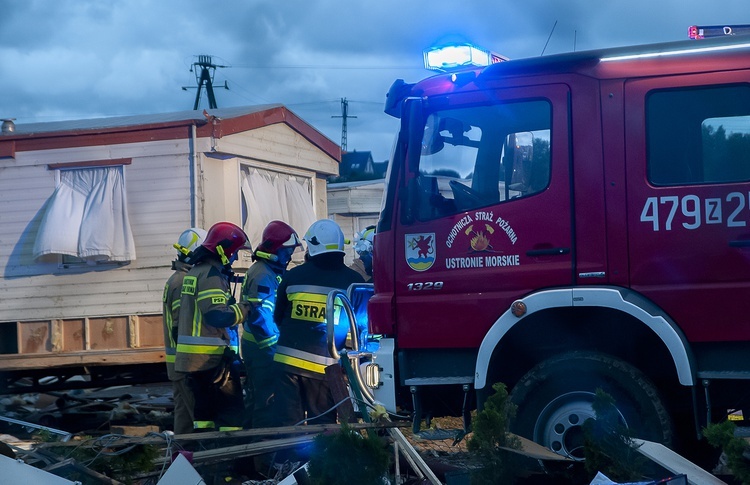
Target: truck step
[{"x": 438, "y": 381}]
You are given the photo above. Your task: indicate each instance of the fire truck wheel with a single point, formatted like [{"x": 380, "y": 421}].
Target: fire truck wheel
[{"x": 555, "y": 398}]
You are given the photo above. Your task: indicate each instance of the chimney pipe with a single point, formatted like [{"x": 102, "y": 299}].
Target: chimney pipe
[{"x": 8, "y": 125}]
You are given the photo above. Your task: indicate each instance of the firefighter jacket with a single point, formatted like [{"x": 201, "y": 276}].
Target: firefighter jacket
[
  {"x": 259, "y": 289},
  {"x": 207, "y": 315},
  {"x": 171, "y": 311},
  {"x": 301, "y": 313}
]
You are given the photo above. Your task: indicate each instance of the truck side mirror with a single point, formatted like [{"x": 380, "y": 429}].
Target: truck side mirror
[
  {"x": 412, "y": 131},
  {"x": 412, "y": 123}
]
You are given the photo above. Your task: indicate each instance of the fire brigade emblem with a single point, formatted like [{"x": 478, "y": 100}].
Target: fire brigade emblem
[{"x": 420, "y": 251}]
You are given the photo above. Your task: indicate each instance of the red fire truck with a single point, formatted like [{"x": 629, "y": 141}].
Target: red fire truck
[{"x": 566, "y": 223}]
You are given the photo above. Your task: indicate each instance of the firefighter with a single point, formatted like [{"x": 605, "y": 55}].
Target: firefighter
[
  {"x": 260, "y": 333},
  {"x": 208, "y": 315},
  {"x": 363, "y": 248},
  {"x": 301, "y": 354},
  {"x": 188, "y": 242}
]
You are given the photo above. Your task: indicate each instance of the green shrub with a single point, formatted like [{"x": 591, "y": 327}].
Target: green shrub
[
  {"x": 609, "y": 445},
  {"x": 721, "y": 435},
  {"x": 491, "y": 439},
  {"x": 347, "y": 457}
]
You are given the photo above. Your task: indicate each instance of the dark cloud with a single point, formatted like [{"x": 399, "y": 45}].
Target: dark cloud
[{"x": 71, "y": 59}]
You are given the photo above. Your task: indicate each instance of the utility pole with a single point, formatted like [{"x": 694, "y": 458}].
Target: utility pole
[
  {"x": 205, "y": 77},
  {"x": 344, "y": 116}
]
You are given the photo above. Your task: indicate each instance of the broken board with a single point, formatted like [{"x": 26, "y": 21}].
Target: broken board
[{"x": 675, "y": 463}]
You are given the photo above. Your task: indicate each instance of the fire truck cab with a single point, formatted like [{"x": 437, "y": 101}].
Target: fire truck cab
[{"x": 566, "y": 223}]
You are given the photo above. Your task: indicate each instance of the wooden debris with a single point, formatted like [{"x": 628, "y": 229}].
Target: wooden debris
[
  {"x": 413, "y": 457},
  {"x": 74, "y": 465},
  {"x": 232, "y": 452},
  {"x": 247, "y": 433},
  {"x": 134, "y": 430}
]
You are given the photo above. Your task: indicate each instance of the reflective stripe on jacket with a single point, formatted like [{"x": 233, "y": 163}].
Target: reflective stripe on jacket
[
  {"x": 301, "y": 313},
  {"x": 303, "y": 360},
  {"x": 206, "y": 315},
  {"x": 259, "y": 288},
  {"x": 171, "y": 312}
]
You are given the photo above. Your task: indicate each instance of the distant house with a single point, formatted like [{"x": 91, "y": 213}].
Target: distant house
[
  {"x": 354, "y": 206},
  {"x": 380, "y": 169},
  {"x": 357, "y": 166},
  {"x": 91, "y": 209}
]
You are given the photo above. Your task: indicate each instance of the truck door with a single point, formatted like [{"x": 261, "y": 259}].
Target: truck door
[
  {"x": 688, "y": 184},
  {"x": 487, "y": 216}
]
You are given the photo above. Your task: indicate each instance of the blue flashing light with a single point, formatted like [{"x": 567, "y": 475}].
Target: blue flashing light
[{"x": 456, "y": 56}]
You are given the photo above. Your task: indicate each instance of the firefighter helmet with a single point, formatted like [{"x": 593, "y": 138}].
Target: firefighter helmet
[
  {"x": 227, "y": 236},
  {"x": 324, "y": 236},
  {"x": 363, "y": 243},
  {"x": 189, "y": 240},
  {"x": 278, "y": 235}
]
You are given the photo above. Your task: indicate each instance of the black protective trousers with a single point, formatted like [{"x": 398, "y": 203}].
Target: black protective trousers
[
  {"x": 218, "y": 396},
  {"x": 296, "y": 395}
]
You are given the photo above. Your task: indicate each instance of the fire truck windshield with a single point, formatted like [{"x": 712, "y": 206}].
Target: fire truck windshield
[{"x": 482, "y": 155}]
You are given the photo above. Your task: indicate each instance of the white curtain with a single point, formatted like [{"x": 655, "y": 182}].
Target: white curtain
[
  {"x": 87, "y": 217},
  {"x": 272, "y": 196},
  {"x": 299, "y": 203}
]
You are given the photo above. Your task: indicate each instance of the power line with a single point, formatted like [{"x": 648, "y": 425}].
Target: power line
[
  {"x": 379, "y": 68},
  {"x": 236, "y": 85}
]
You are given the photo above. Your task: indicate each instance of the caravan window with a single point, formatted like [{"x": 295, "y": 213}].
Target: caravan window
[
  {"x": 86, "y": 218},
  {"x": 268, "y": 195}
]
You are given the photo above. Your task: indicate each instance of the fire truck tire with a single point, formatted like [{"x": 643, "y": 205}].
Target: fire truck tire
[{"x": 554, "y": 399}]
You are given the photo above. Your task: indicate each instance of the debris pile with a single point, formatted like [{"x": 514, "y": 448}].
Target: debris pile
[{"x": 115, "y": 436}]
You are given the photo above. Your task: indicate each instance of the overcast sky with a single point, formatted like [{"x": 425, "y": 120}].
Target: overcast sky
[{"x": 75, "y": 59}]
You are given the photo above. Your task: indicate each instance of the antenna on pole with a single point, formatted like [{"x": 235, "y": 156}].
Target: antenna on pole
[
  {"x": 205, "y": 77},
  {"x": 548, "y": 38},
  {"x": 344, "y": 116}
]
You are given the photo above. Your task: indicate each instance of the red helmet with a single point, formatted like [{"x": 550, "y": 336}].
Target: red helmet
[
  {"x": 227, "y": 235},
  {"x": 278, "y": 235}
]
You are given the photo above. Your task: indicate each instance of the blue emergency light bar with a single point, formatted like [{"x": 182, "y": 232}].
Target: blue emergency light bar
[{"x": 456, "y": 56}]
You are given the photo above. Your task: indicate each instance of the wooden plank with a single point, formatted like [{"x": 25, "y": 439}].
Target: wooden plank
[
  {"x": 142, "y": 430},
  {"x": 311, "y": 429},
  {"x": 108, "y": 333},
  {"x": 72, "y": 463},
  {"x": 414, "y": 456},
  {"x": 86, "y": 334},
  {"x": 18, "y": 336},
  {"x": 73, "y": 334},
  {"x": 675, "y": 463},
  {"x": 231, "y": 452},
  {"x": 106, "y": 357},
  {"x": 536, "y": 451},
  {"x": 150, "y": 331},
  {"x": 57, "y": 337},
  {"x": 133, "y": 337},
  {"x": 34, "y": 337}
]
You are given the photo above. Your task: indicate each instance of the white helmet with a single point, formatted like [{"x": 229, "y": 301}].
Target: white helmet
[
  {"x": 324, "y": 236},
  {"x": 190, "y": 239},
  {"x": 364, "y": 240}
]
